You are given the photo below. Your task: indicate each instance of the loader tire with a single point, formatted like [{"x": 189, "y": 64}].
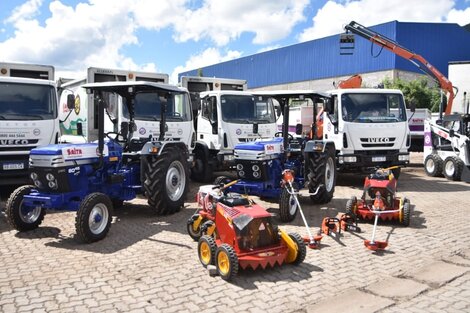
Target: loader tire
[
  {"x": 453, "y": 168},
  {"x": 321, "y": 170},
  {"x": 166, "y": 181},
  {"x": 19, "y": 218},
  {"x": 433, "y": 165}
]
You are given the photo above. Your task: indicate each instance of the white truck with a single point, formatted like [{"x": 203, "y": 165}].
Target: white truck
[
  {"x": 226, "y": 116},
  {"x": 28, "y": 116},
  {"x": 369, "y": 128}
]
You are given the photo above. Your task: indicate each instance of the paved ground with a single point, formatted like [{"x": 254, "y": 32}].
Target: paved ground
[{"x": 148, "y": 263}]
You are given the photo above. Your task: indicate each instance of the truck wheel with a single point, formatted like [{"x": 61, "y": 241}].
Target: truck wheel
[
  {"x": 405, "y": 213},
  {"x": 351, "y": 206},
  {"x": 19, "y": 217},
  {"x": 93, "y": 218},
  {"x": 166, "y": 181},
  {"x": 453, "y": 167},
  {"x": 301, "y": 248},
  {"x": 433, "y": 165},
  {"x": 226, "y": 262},
  {"x": 321, "y": 170},
  {"x": 201, "y": 171},
  {"x": 287, "y": 206},
  {"x": 206, "y": 250}
]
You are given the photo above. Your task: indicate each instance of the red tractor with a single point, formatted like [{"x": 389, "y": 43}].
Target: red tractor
[
  {"x": 380, "y": 195},
  {"x": 233, "y": 232}
]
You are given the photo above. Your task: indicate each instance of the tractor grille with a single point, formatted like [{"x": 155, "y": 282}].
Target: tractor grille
[{"x": 252, "y": 170}]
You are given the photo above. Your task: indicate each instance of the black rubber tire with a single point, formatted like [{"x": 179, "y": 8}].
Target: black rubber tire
[
  {"x": 351, "y": 206},
  {"x": 13, "y": 210},
  {"x": 319, "y": 169},
  {"x": 396, "y": 172},
  {"x": 211, "y": 245},
  {"x": 201, "y": 171},
  {"x": 195, "y": 235},
  {"x": 221, "y": 180},
  {"x": 170, "y": 162},
  {"x": 206, "y": 226},
  {"x": 232, "y": 259},
  {"x": 286, "y": 203},
  {"x": 406, "y": 213},
  {"x": 84, "y": 230},
  {"x": 433, "y": 165},
  {"x": 453, "y": 168},
  {"x": 301, "y": 248}
]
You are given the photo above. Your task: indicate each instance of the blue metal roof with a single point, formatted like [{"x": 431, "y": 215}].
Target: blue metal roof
[{"x": 439, "y": 43}]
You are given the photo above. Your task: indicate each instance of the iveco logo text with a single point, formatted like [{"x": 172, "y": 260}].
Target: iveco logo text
[
  {"x": 374, "y": 140},
  {"x": 13, "y": 142}
]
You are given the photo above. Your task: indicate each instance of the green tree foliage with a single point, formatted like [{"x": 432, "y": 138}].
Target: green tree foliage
[{"x": 417, "y": 91}]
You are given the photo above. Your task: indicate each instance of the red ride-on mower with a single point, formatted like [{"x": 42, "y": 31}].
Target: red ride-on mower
[{"x": 243, "y": 234}]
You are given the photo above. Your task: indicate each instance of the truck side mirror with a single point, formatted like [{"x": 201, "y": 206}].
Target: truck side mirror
[
  {"x": 298, "y": 129},
  {"x": 412, "y": 107},
  {"x": 70, "y": 102},
  {"x": 255, "y": 128},
  {"x": 451, "y": 133},
  {"x": 328, "y": 106},
  {"x": 125, "y": 129},
  {"x": 79, "y": 129},
  {"x": 195, "y": 101}
]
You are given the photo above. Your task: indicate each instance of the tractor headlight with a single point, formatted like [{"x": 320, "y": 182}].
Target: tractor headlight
[
  {"x": 33, "y": 176},
  {"x": 239, "y": 167},
  {"x": 255, "y": 168},
  {"x": 37, "y": 183},
  {"x": 50, "y": 177},
  {"x": 241, "y": 173},
  {"x": 256, "y": 174},
  {"x": 52, "y": 184}
]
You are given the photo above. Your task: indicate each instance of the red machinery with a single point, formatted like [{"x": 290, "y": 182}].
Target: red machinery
[{"x": 236, "y": 232}]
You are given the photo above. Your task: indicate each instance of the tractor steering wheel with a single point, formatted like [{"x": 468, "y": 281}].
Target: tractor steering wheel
[
  {"x": 279, "y": 134},
  {"x": 117, "y": 137}
]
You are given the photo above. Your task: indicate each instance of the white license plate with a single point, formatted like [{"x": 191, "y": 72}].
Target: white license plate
[
  {"x": 13, "y": 166},
  {"x": 379, "y": 159}
]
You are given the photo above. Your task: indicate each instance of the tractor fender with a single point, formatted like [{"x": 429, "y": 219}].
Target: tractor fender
[
  {"x": 319, "y": 146},
  {"x": 161, "y": 146}
]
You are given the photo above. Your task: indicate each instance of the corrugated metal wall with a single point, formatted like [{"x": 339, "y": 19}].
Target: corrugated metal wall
[{"x": 318, "y": 59}]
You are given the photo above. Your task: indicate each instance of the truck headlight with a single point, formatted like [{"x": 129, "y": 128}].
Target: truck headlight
[
  {"x": 350, "y": 159},
  {"x": 229, "y": 157},
  {"x": 404, "y": 157}
]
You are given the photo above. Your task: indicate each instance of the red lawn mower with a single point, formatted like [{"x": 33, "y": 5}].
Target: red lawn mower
[
  {"x": 379, "y": 201},
  {"x": 233, "y": 231}
]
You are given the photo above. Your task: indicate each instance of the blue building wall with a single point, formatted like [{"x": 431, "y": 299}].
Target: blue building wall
[{"x": 317, "y": 59}]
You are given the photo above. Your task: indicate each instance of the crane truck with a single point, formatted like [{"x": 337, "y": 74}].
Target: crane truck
[
  {"x": 447, "y": 139},
  {"x": 28, "y": 116}
]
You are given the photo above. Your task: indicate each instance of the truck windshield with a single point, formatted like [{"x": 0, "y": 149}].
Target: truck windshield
[
  {"x": 27, "y": 101},
  {"x": 246, "y": 109},
  {"x": 147, "y": 106},
  {"x": 373, "y": 108}
]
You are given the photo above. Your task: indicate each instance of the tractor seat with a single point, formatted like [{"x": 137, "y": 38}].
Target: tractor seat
[{"x": 234, "y": 200}]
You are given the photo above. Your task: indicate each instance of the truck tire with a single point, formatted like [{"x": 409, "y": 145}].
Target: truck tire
[
  {"x": 321, "y": 170},
  {"x": 166, "y": 181},
  {"x": 453, "y": 168},
  {"x": 201, "y": 171},
  {"x": 287, "y": 206},
  {"x": 433, "y": 165},
  {"x": 93, "y": 218},
  {"x": 18, "y": 218}
]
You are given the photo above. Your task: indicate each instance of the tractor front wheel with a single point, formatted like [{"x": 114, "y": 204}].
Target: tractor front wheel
[
  {"x": 226, "y": 262},
  {"x": 206, "y": 250},
  {"x": 166, "y": 181},
  {"x": 453, "y": 168},
  {"x": 287, "y": 206},
  {"x": 433, "y": 165},
  {"x": 93, "y": 218},
  {"x": 20, "y": 217},
  {"x": 321, "y": 171}
]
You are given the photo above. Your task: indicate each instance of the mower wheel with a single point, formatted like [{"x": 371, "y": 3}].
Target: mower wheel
[
  {"x": 226, "y": 262},
  {"x": 166, "y": 181},
  {"x": 321, "y": 170},
  {"x": 433, "y": 165},
  {"x": 453, "y": 167},
  {"x": 405, "y": 213},
  {"x": 20, "y": 218},
  {"x": 351, "y": 206},
  {"x": 301, "y": 248},
  {"x": 209, "y": 229},
  {"x": 206, "y": 250},
  {"x": 287, "y": 206},
  {"x": 195, "y": 234},
  {"x": 93, "y": 218}
]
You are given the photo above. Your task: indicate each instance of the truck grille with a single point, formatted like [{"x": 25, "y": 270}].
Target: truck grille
[{"x": 378, "y": 142}]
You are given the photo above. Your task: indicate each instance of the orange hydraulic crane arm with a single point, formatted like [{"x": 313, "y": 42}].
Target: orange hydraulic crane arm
[{"x": 414, "y": 58}]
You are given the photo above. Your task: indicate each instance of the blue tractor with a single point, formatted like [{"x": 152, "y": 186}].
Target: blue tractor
[
  {"x": 91, "y": 178},
  {"x": 310, "y": 161}
]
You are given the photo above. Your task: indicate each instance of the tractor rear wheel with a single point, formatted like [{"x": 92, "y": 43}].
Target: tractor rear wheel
[
  {"x": 166, "y": 181},
  {"x": 93, "y": 218},
  {"x": 301, "y": 248},
  {"x": 405, "y": 213},
  {"x": 287, "y": 206},
  {"x": 206, "y": 250},
  {"x": 226, "y": 262},
  {"x": 433, "y": 165},
  {"x": 19, "y": 217},
  {"x": 453, "y": 168},
  {"x": 321, "y": 170},
  {"x": 351, "y": 206}
]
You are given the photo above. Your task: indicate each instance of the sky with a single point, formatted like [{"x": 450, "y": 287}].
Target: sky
[{"x": 173, "y": 36}]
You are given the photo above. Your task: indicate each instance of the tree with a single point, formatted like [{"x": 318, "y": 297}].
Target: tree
[{"x": 417, "y": 91}]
